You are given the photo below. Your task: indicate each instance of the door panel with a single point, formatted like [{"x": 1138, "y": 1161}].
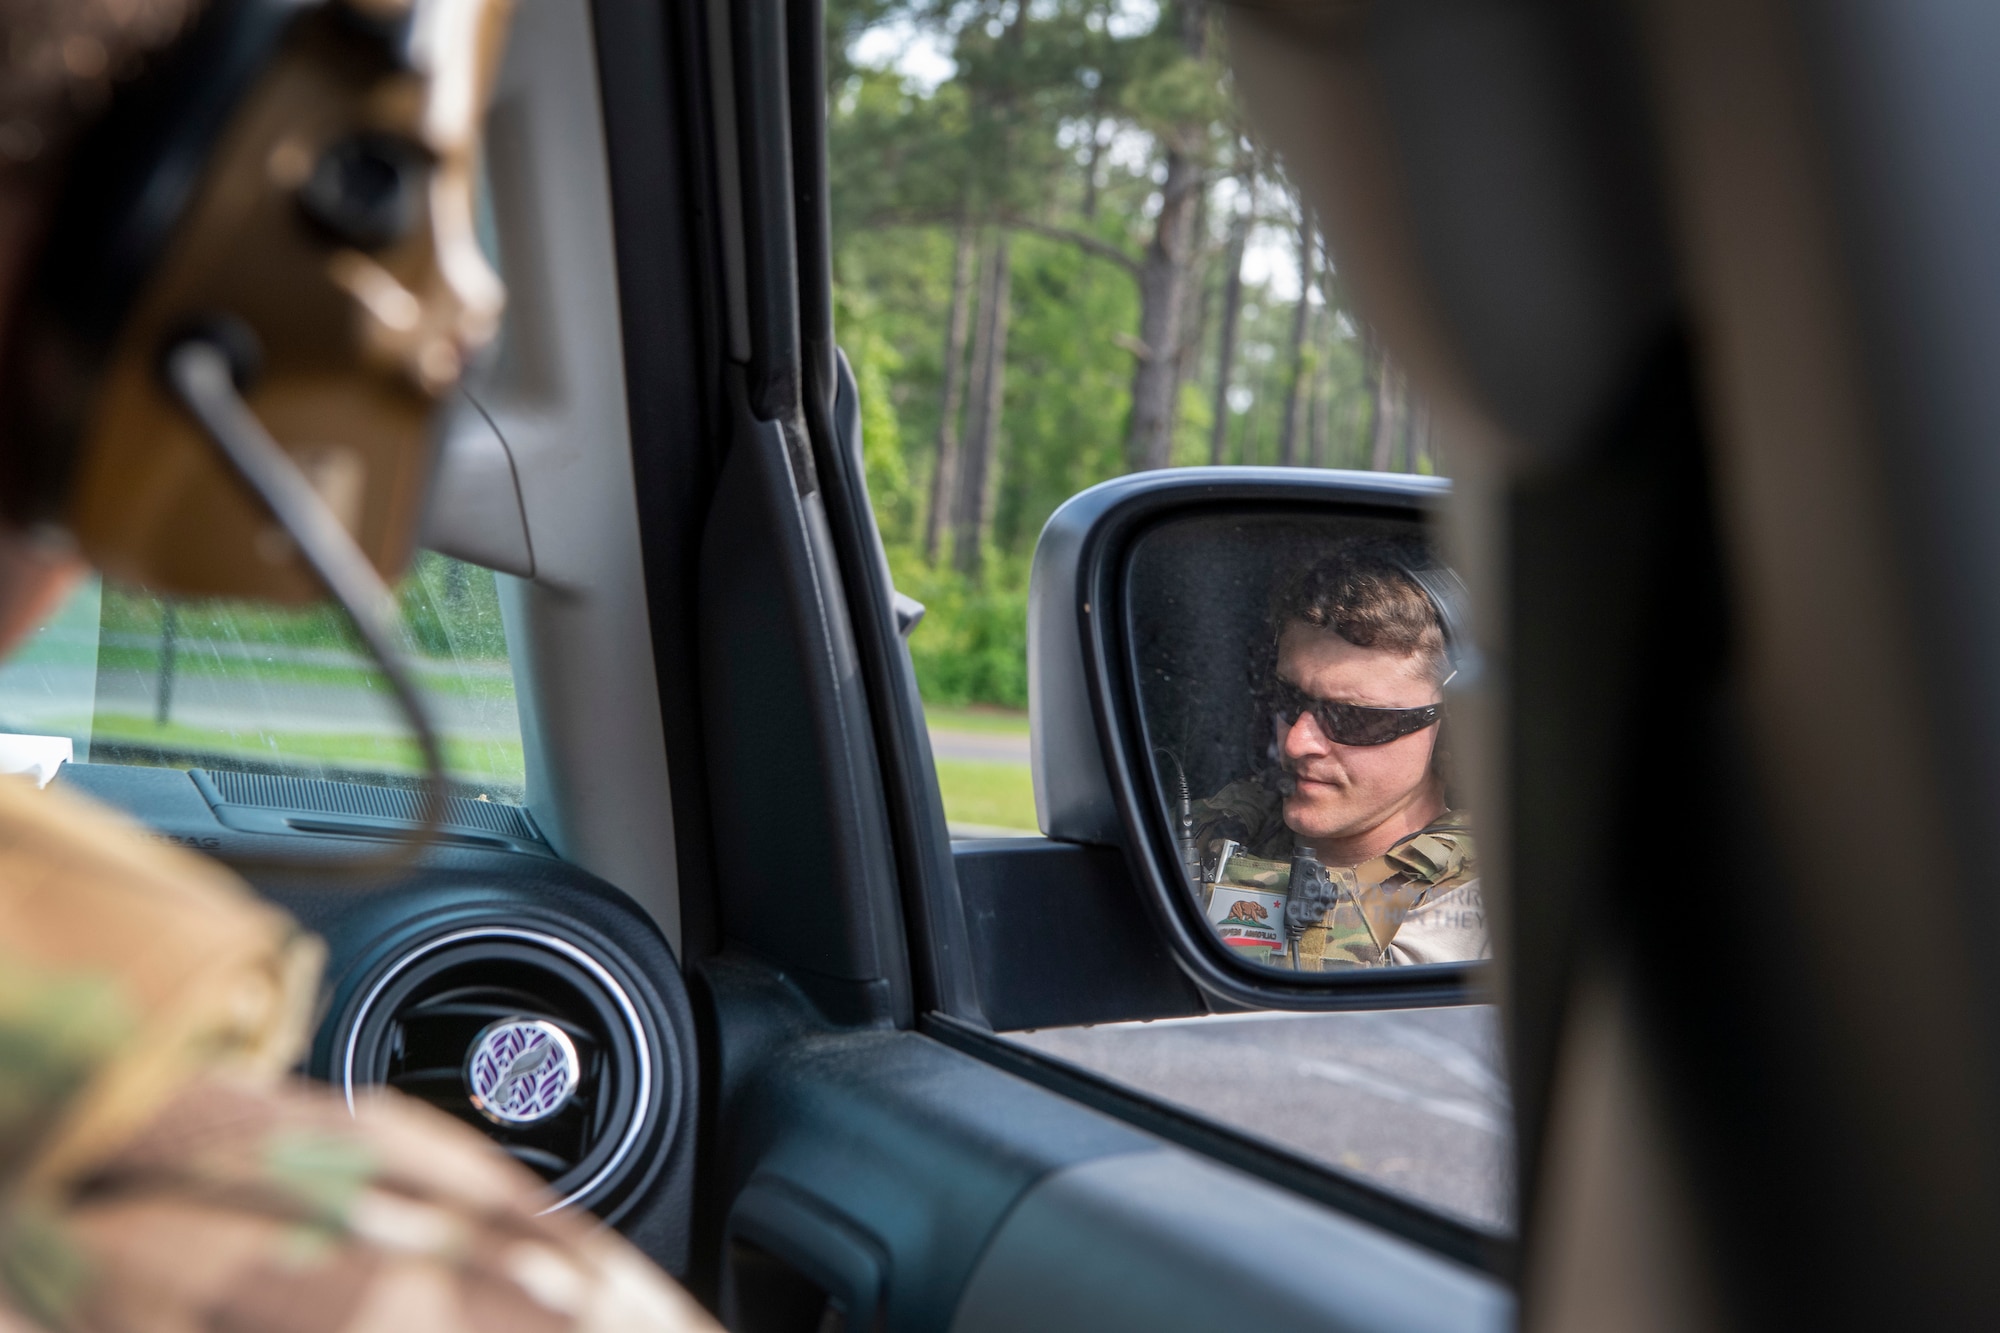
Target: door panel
[
  {"x": 1060, "y": 937},
  {"x": 852, "y": 1164},
  {"x": 1169, "y": 1241},
  {"x": 922, "y": 1188},
  {"x": 883, "y": 1139}
]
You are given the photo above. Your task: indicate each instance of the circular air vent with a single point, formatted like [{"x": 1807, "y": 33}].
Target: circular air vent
[{"x": 523, "y": 1035}]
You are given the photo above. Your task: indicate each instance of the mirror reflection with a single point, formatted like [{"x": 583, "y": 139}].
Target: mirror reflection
[{"x": 1293, "y": 680}]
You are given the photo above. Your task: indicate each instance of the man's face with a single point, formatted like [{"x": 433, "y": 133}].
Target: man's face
[{"x": 1343, "y": 791}]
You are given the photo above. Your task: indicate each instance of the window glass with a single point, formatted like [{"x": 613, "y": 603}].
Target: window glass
[
  {"x": 130, "y": 678},
  {"x": 1413, "y": 1100},
  {"x": 1060, "y": 256}
]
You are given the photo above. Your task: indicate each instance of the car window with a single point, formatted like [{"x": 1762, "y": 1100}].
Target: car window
[
  {"x": 1413, "y": 1100},
  {"x": 1061, "y": 256},
  {"x": 127, "y": 677}
]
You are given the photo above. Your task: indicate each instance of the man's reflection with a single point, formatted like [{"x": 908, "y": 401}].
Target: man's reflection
[{"x": 1347, "y": 853}]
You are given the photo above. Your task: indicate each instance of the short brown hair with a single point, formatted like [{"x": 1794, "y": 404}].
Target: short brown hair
[{"x": 1363, "y": 591}]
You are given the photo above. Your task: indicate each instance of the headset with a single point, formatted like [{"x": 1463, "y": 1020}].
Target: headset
[
  {"x": 261, "y": 278},
  {"x": 1445, "y": 591}
]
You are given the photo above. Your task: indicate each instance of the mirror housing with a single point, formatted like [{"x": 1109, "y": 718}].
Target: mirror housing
[{"x": 1093, "y": 775}]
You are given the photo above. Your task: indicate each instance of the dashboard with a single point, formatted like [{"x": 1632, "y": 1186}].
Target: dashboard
[{"x": 490, "y": 978}]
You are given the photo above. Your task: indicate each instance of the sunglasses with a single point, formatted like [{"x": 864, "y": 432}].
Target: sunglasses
[{"x": 1351, "y": 724}]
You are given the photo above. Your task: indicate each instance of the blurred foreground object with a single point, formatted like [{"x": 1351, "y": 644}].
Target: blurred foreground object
[
  {"x": 1709, "y": 290},
  {"x": 295, "y": 183},
  {"x": 157, "y": 1170}
]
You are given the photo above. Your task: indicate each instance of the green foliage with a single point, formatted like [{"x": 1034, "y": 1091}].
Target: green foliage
[
  {"x": 1067, "y": 394},
  {"x": 450, "y": 610},
  {"x": 1180, "y": 100},
  {"x": 1191, "y": 434},
  {"x": 1056, "y": 126},
  {"x": 133, "y": 611},
  {"x": 972, "y": 646},
  {"x": 875, "y": 363},
  {"x": 995, "y": 795}
]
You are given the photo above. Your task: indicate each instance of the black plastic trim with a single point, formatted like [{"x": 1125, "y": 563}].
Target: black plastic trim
[
  {"x": 796, "y": 796},
  {"x": 845, "y": 1263},
  {"x": 941, "y": 971},
  {"x": 921, "y": 1148},
  {"x": 283, "y": 803},
  {"x": 776, "y": 379},
  {"x": 1059, "y": 937}
]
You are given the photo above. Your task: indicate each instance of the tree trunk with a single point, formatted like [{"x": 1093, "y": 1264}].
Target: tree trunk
[
  {"x": 1288, "y": 433},
  {"x": 974, "y": 511},
  {"x": 1319, "y": 393},
  {"x": 975, "y": 405},
  {"x": 1196, "y": 298},
  {"x": 1163, "y": 276},
  {"x": 945, "y": 476},
  {"x": 1316, "y": 412},
  {"x": 1194, "y": 27},
  {"x": 1232, "y": 319},
  {"x": 1407, "y": 435},
  {"x": 1388, "y": 415},
  {"x": 1091, "y": 167},
  {"x": 1368, "y": 403},
  {"x": 1163, "y": 283}
]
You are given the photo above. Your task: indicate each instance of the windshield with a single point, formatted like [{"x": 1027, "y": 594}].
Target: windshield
[{"x": 130, "y": 678}]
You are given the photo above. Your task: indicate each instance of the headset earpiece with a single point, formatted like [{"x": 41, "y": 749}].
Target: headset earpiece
[{"x": 282, "y": 183}]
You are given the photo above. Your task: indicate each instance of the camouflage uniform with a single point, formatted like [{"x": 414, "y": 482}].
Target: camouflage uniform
[
  {"x": 1418, "y": 902},
  {"x": 158, "y": 1171}
]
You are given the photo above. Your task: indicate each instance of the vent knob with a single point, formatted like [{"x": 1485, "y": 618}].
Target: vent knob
[
  {"x": 532, "y": 1039},
  {"x": 520, "y": 1070}
]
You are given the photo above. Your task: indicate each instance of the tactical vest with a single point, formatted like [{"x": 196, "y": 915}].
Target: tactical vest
[{"x": 1370, "y": 902}]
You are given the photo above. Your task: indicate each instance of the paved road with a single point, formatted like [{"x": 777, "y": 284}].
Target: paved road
[
  {"x": 225, "y": 704},
  {"x": 980, "y": 747},
  {"x": 240, "y": 705},
  {"x": 1415, "y": 1100}
]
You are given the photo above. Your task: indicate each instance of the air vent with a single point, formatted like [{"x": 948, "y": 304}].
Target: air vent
[
  {"x": 534, "y": 997},
  {"x": 275, "y": 803}
]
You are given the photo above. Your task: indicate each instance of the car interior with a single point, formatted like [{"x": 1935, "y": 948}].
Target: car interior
[{"x": 1723, "y": 484}]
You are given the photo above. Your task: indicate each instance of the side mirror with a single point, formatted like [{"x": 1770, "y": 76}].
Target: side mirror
[{"x": 1243, "y": 678}]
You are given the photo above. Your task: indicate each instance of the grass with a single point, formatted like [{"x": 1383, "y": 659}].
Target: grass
[
  {"x": 996, "y": 795},
  {"x": 473, "y": 762},
  {"x": 192, "y": 661},
  {"x": 995, "y": 721}
]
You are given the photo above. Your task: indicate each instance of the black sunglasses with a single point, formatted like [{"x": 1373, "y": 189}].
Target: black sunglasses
[{"x": 1351, "y": 724}]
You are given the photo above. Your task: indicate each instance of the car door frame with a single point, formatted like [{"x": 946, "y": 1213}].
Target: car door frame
[{"x": 863, "y": 1038}]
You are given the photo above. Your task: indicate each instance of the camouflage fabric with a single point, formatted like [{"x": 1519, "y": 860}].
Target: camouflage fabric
[
  {"x": 1249, "y": 812},
  {"x": 242, "y": 1207},
  {"x": 1419, "y": 902},
  {"x": 158, "y": 1171}
]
